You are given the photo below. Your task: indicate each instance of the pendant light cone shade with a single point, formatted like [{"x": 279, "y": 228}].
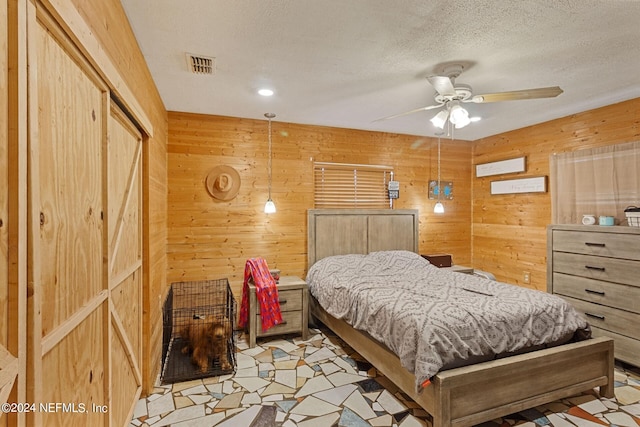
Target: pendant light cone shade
[
  {"x": 440, "y": 119},
  {"x": 439, "y": 207},
  {"x": 458, "y": 115},
  {"x": 269, "y": 207}
]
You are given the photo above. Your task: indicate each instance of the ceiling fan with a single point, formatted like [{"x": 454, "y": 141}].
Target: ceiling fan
[{"x": 450, "y": 95}]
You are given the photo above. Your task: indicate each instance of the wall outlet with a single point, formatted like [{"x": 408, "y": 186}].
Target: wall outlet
[{"x": 526, "y": 277}]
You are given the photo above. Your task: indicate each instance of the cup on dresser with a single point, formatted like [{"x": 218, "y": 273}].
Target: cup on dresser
[
  {"x": 606, "y": 220},
  {"x": 588, "y": 219}
]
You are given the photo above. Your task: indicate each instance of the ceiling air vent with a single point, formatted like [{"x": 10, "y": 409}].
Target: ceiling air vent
[{"x": 199, "y": 64}]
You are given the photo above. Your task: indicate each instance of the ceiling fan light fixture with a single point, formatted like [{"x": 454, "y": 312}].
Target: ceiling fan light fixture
[
  {"x": 457, "y": 114},
  {"x": 440, "y": 119},
  {"x": 462, "y": 122}
]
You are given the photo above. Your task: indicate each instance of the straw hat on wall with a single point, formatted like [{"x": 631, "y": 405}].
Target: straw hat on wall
[{"x": 223, "y": 182}]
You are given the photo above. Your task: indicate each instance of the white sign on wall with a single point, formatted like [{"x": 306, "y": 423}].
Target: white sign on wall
[
  {"x": 522, "y": 185},
  {"x": 501, "y": 167}
]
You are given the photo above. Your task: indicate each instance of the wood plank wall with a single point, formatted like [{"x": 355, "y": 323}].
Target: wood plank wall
[
  {"x": 213, "y": 239},
  {"x": 509, "y": 231},
  {"x": 110, "y": 26}
]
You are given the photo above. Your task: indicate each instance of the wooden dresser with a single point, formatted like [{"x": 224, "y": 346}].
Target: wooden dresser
[{"x": 597, "y": 269}]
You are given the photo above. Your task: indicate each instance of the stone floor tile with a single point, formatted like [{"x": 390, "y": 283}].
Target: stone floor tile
[
  {"x": 322, "y": 382},
  {"x": 140, "y": 408},
  {"x": 161, "y": 405},
  {"x": 183, "y": 414},
  {"x": 314, "y": 385},
  {"x": 357, "y": 403},
  {"x": 320, "y": 355},
  {"x": 252, "y": 384},
  {"x": 627, "y": 395},
  {"x": 324, "y": 421},
  {"x": 312, "y": 406},
  {"x": 329, "y": 368},
  {"x": 244, "y": 418},
  {"x": 337, "y": 395},
  {"x": 205, "y": 421},
  {"x": 251, "y": 399},
  {"x": 390, "y": 403},
  {"x": 593, "y": 407},
  {"x": 286, "y": 377},
  {"x": 621, "y": 419},
  {"x": 632, "y": 409},
  {"x": 230, "y": 401},
  {"x": 182, "y": 402},
  {"x": 342, "y": 378}
]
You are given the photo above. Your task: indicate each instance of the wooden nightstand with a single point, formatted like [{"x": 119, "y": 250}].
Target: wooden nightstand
[{"x": 294, "y": 305}]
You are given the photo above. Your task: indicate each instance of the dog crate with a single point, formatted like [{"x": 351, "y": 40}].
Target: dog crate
[{"x": 198, "y": 331}]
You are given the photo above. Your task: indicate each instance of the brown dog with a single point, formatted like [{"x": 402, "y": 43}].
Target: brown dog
[{"x": 206, "y": 340}]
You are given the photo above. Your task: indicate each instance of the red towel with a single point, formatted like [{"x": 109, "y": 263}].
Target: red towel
[{"x": 266, "y": 293}]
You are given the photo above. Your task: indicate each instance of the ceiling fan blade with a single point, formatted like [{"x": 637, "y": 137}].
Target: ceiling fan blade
[
  {"x": 406, "y": 113},
  {"x": 442, "y": 85},
  {"x": 542, "y": 92}
]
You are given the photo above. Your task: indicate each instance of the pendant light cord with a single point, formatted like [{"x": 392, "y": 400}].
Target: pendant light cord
[
  {"x": 439, "y": 186},
  {"x": 269, "y": 165},
  {"x": 269, "y": 116}
]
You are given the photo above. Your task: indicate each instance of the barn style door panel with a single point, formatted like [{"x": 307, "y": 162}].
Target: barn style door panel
[
  {"x": 84, "y": 317},
  {"x": 124, "y": 189},
  {"x": 70, "y": 299}
]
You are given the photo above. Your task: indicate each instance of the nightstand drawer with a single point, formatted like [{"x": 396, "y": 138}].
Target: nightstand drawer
[
  {"x": 289, "y": 300},
  {"x": 291, "y": 322}
]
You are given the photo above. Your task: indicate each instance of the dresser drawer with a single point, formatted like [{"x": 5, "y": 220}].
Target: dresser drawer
[
  {"x": 615, "y": 295},
  {"x": 625, "y": 349},
  {"x": 289, "y": 300},
  {"x": 612, "y": 245},
  {"x": 608, "y": 318},
  {"x": 292, "y": 322},
  {"x": 599, "y": 268}
]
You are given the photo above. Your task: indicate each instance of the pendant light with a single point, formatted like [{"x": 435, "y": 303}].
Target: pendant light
[
  {"x": 269, "y": 207},
  {"x": 439, "y": 207}
]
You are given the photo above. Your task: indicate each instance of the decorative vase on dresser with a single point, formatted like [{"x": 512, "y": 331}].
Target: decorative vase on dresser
[{"x": 597, "y": 269}]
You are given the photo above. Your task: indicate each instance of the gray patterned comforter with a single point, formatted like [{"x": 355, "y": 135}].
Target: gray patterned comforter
[{"x": 435, "y": 319}]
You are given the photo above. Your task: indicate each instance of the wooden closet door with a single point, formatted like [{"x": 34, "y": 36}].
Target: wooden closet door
[
  {"x": 69, "y": 306},
  {"x": 85, "y": 308},
  {"x": 124, "y": 190}
]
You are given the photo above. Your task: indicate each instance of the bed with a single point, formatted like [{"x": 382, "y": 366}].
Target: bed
[{"x": 470, "y": 394}]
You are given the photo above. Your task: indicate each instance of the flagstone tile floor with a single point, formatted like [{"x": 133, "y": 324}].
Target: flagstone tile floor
[{"x": 321, "y": 382}]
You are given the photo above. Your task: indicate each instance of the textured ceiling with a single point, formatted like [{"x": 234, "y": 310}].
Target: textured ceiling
[{"x": 345, "y": 63}]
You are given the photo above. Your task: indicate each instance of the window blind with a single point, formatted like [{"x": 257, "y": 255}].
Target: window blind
[{"x": 344, "y": 186}]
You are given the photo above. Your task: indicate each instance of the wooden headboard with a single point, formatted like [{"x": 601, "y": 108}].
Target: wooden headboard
[{"x": 360, "y": 231}]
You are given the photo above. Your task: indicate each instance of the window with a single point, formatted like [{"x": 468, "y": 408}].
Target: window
[{"x": 343, "y": 185}]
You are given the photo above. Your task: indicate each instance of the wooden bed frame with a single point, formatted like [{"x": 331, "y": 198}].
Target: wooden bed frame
[{"x": 468, "y": 395}]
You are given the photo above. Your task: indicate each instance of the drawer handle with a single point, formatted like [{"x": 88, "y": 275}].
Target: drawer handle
[
  {"x": 282, "y": 301},
  {"x": 596, "y": 316},
  {"x": 591, "y": 291},
  {"x": 284, "y": 322},
  {"x": 600, "y": 245},
  {"x": 590, "y": 267}
]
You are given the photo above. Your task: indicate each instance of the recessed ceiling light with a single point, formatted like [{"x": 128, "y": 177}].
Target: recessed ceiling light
[{"x": 265, "y": 92}]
